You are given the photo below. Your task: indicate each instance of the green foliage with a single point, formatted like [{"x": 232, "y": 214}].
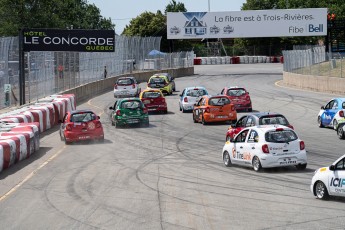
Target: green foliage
[
  {"x": 146, "y": 24},
  {"x": 175, "y": 7},
  {"x": 77, "y": 14},
  {"x": 154, "y": 24}
]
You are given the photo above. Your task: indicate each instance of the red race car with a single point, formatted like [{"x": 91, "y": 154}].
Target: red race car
[
  {"x": 239, "y": 97},
  {"x": 264, "y": 118},
  {"x": 79, "y": 125},
  {"x": 154, "y": 100}
]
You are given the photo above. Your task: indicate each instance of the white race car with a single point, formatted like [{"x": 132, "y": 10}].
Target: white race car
[
  {"x": 329, "y": 180},
  {"x": 126, "y": 87},
  {"x": 265, "y": 146},
  {"x": 189, "y": 97}
]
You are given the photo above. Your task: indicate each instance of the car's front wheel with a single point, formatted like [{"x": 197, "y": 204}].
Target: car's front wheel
[
  {"x": 203, "y": 120},
  {"x": 226, "y": 159},
  {"x": 195, "y": 121},
  {"x": 321, "y": 190},
  {"x": 335, "y": 124},
  {"x": 319, "y": 121},
  {"x": 256, "y": 164},
  {"x": 340, "y": 132}
]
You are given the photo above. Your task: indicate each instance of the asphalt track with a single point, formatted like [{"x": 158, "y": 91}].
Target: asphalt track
[{"x": 171, "y": 175}]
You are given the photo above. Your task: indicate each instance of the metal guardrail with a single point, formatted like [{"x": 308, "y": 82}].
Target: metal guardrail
[
  {"x": 314, "y": 61},
  {"x": 48, "y": 73}
]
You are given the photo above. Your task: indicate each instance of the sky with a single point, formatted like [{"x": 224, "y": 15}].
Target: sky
[{"x": 121, "y": 12}]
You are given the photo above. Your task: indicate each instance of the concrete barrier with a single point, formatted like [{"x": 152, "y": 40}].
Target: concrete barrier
[{"x": 326, "y": 84}]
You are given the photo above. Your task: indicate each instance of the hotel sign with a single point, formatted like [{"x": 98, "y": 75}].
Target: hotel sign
[{"x": 68, "y": 40}]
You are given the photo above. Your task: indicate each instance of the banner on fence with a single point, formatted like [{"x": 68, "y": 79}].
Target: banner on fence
[{"x": 248, "y": 23}]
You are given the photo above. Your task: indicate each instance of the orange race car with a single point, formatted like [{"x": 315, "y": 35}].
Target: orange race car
[{"x": 214, "y": 109}]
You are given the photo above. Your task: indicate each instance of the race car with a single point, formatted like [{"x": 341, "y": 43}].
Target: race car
[
  {"x": 214, "y": 109},
  {"x": 126, "y": 87},
  {"x": 80, "y": 125},
  {"x": 265, "y": 146},
  {"x": 154, "y": 100},
  {"x": 329, "y": 181},
  {"x": 239, "y": 96},
  {"x": 189, "y": 96},
  {"x": 128, "y": 111},
  {"x": 263, "y": 118},
  {"x": 332, "y": 114},
  {"x": 171, "y": 79},
  {"x": 160, "y": 82}
]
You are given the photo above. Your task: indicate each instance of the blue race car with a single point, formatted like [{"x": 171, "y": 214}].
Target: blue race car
[{"x": 332, "y": 114}]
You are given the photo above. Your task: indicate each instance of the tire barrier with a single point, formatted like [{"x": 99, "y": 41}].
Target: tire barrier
[
  {"x": 20, "y": 129},
  {"x": 237, "y": 60}
]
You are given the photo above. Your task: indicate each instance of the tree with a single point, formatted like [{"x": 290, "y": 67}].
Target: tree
[
  {"x": 175, "y": 7},
  {"x": 77, "y": 14},
  {"x": 154, "y": 24},
  {"x": 146, "y": 24}
]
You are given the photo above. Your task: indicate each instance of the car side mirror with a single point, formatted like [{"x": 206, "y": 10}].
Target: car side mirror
[
  {"x": 322, "y": 107},
  {"x": 180, "y": 95},
  {"x": 111, "y": 108},
  {"x": 332, "y": 167},
  {"x": 60, "y": 121},
  {"x": 233, "y": 125},
  {"x": 98, "y": 117}
]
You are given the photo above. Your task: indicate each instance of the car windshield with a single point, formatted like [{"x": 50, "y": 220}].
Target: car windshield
[
  {"x": 157, "y": 80},
  {"x": 218, "y": 101},
  {"x": 236, "y": 92},
  {"x": 273, "y": 120},
  {"x": 126, "y": 81},
  {"x": 281, "y": 136},
  {"x": 83, "y": 117},
  {"x": 196, "y": 92},
  {"x": 131, "y": 104},
  {"x": 151, "y": 94}
]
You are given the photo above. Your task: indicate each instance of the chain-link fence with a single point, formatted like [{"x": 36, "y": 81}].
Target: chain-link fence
[
  {"x": 314, "y": 61},
  {"x": 49, "y": 73}
]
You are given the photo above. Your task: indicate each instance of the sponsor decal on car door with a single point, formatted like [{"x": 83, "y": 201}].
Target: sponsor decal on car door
[
  {"x": 330, "y": 110},
  {"x": 239, "y": 153},
  {"x": 336, "y": 179}
]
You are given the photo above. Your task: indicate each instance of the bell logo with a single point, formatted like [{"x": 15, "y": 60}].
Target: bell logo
[{"x": 318, "y": 28}]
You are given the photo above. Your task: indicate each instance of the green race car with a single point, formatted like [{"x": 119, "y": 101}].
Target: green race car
[{"x": 129, "y": 111}]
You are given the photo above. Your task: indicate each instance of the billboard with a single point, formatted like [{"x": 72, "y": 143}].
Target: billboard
[
  {"x": 68, "y": 40},
  {"x": 247, "y": 24}
]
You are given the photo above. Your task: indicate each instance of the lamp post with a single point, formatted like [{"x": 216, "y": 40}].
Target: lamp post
[{"x": 208, "y": 5}]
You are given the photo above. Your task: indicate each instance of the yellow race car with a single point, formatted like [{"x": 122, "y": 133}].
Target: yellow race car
[{"x": 160, "y": 82}]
